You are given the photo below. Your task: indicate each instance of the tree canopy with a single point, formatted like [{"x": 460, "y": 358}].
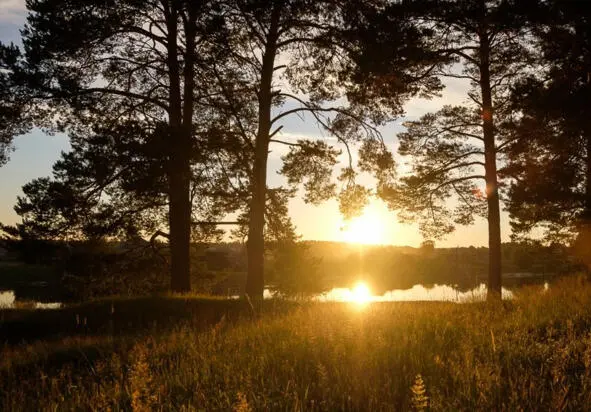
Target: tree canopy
[{"x": 549, "y": 158}]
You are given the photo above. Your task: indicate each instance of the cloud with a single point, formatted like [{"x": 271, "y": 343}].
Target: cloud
[{"x": 12, "y": 11}]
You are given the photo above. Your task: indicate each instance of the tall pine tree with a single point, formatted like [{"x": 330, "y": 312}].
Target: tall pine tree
[
  {"x": 107, "y": 63},
  {"x": 308, "y": 58},
  {"x": 455, "y": 152},
  {"x": 550, "y": 158}
]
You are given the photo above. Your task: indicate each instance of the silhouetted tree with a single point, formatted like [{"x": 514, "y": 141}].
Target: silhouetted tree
[
  {"x": 14, "y": 119},
  {"x": 113, "y": 184},
  {"x": 550, "y": 157},
  {"x": 113, "y": 62},
  {"x": 456, "y": 150},
  {"x": 309, "y": 58}
]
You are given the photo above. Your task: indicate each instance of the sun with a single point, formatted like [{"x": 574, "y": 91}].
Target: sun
[
  {"x": 360, "y": 294},
  {"x": 366, "y": 229}
]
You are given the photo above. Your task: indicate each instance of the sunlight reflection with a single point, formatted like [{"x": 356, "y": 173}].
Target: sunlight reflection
[
  {"x": 7, "y": 299},
  {"x": 362, "y": 294}
]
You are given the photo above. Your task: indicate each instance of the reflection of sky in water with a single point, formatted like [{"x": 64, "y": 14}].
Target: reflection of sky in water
[
  {"x": 417, "y": 293},
  {"x": 51, "y": 305},
  {"x": 8, "y": 299}
]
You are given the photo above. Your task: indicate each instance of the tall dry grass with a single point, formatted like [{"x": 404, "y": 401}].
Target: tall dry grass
[{"x": 533, "y": 353}]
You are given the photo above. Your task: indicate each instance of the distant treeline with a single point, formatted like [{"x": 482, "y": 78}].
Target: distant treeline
[
  {"x": 90, "y": 269},
  {"x": 333, "y": 264}
]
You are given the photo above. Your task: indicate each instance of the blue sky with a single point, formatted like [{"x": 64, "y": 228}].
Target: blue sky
[{"x": 35, "y": 153}]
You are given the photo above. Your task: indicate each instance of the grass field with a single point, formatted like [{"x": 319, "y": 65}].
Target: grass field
[{"x": 192, "y": 353}]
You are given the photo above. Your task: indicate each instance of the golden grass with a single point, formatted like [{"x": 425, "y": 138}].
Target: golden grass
[{"x": 533, "y": 353}]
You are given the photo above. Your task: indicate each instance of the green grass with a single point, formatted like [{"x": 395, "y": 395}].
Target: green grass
[{"x": 183, "y": 353}]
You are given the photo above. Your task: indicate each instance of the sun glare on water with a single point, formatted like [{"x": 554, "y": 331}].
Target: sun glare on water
[{"x": 360, "y": 294}]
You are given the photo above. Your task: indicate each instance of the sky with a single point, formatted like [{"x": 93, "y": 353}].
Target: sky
[{"x": 36, "y": 152}]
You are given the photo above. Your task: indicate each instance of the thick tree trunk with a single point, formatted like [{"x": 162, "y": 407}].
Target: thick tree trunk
[
  {"x": 587, "y": 212},
  {"x": 255, "y": 281},
  {"x": 179, "y": 172},
  {"x": 587, "y": 131},
  {"x": 179, "y": 215},
  {"x": 490, "y": 165},
  {"x": 582, "y": 245}
]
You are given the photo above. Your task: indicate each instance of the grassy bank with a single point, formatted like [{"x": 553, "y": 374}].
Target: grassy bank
[{"x": 533, "y": 353}]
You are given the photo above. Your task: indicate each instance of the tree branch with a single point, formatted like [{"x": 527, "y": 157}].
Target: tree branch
[{"x": 457, "y": 180}]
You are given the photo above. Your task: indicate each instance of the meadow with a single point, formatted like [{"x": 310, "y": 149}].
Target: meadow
[{"x": 196, "y": 353}]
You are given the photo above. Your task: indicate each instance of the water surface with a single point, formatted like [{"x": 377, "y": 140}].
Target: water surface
[
  {"x": 8, "y": 301},
  {"x": 441, "y": 293}
]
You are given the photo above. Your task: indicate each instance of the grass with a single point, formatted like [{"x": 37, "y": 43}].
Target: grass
[{"x": 183, "y": 353}]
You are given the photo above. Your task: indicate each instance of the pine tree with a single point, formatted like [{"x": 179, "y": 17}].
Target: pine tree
[
  {"x": 455, "y": 152},
  {"x": 308, "y": 58},
  {"x": 93, "y": 63},
  {"x": 549, "y": 158}
]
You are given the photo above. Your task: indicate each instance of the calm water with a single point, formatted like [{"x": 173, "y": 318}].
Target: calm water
[
  {"x": 8, "y": 300},
  {"x": 444, "y": 293}
]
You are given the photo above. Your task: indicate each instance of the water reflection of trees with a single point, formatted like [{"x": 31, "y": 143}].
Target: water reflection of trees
[
  {"x": 294, "y": 269},
  {"x": 387, "y": 267}
]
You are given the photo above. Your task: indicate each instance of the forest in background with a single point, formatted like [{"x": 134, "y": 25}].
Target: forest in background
[{"x": 83, "y": 270}]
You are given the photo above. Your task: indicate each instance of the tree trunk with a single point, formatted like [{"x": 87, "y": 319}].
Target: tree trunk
[
  {"x": 255, "y": 281},
  {"x": 179, "y": 171},
  {"x": 179, "y": 215},
  {"x": 490, "y": 165},
  {"x": 582, "y": 245},
  {"x": 587, "y": 211}
]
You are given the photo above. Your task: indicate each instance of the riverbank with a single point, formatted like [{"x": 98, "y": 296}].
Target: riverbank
[{"x": 175, "y": 353}]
